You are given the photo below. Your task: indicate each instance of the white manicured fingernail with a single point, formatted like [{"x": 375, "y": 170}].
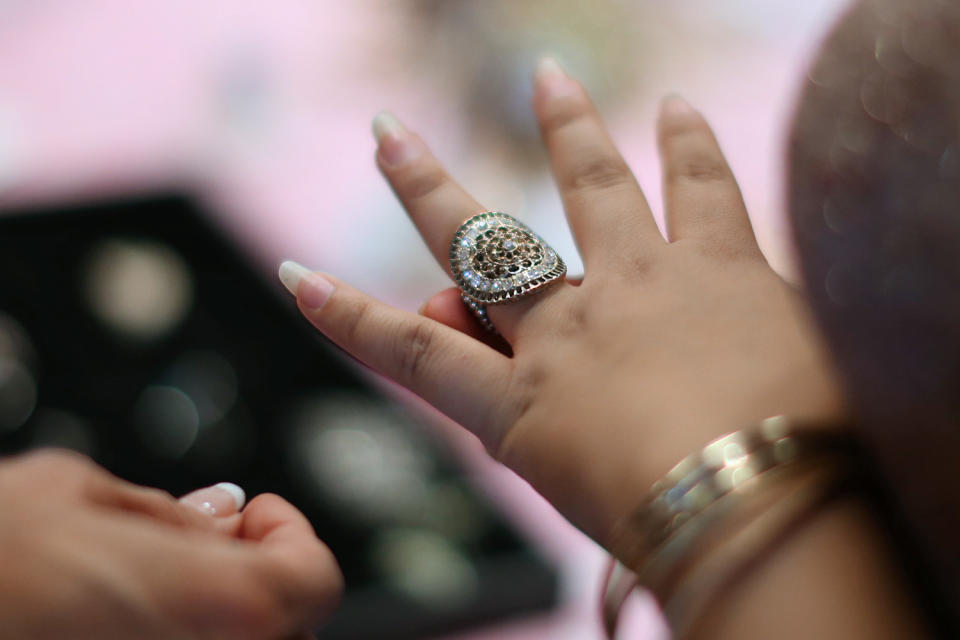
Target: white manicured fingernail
[
  {"x": 236, "y": 492},
  {"x": 310, "y": 288},
  {"x": 385, "y": 123},
  {"x": 291, "y": 273},
  {"x": 396, "y": 146},
  {"x": 222, "y": 499}
]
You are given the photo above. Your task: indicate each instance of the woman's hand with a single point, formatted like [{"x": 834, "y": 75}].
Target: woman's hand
[
  {"x": 87, "y": 555},
  {"x": 600, "y": 386}
]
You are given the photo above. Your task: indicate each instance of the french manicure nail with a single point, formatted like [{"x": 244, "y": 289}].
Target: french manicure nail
[
  {"x": 291, "y": 273},
  {"x": 385, "y": 123},
  {"x": 675, "y": 105},
  {"x": 395, "y": 145},
  {"x": 222, "y": 499},
  {"x": 310, "y": 288},
  {"x": 551, "y": 80}
]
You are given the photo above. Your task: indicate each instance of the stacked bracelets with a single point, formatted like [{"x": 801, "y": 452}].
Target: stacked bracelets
[{"x": 719, "y": 510}]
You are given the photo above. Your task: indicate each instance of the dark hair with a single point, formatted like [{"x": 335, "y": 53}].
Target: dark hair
[{"x": 875, "y": 208}]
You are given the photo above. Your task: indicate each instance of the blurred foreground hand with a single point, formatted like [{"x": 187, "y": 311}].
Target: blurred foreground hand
[{"x": 87, "y": 555}]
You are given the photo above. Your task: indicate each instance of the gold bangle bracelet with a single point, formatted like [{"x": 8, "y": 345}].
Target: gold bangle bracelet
[
  {"x": 715, "y": 471},
  {"x": 730, "y": 558},
  {"x": 723, "y": 486},
  {"x": 721, "y": 518}
]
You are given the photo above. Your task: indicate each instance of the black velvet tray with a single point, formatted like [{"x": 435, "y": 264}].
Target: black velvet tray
[{"x": 136, "y": 332}]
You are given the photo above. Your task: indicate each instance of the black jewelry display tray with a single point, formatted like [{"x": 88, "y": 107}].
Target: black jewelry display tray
[{"x": 238, "y": 387}]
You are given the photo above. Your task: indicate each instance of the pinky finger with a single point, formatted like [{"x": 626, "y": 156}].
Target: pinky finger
[{"x": 463, "y": 378}]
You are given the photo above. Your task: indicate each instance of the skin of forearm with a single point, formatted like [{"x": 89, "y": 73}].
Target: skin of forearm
[{"x": 833, "y": 578}]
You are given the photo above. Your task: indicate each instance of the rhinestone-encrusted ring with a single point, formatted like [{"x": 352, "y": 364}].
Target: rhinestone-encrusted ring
[{"x": 495, "y": 258}]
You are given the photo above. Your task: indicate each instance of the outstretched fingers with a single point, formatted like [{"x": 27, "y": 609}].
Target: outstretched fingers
[{"x": 465, "y": 379}]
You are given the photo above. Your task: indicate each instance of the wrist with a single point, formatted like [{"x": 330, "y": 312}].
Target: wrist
[
  {"x": 756, "y": 459},
  {"x": 596, "y": 475},
  {"x": 716, "y": 513}
]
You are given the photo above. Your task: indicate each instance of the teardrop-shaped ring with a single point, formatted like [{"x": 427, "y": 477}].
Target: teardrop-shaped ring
[{"x": 496, "y": 259}]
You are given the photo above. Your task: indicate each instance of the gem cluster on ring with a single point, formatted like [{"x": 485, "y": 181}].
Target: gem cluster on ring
[{"x": 496, "y": 258}]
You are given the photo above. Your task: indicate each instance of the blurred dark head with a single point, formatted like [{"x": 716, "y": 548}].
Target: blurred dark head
[{"x": 875, "y": 206}]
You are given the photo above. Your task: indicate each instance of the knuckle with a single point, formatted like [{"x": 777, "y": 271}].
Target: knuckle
[
  {"x": 574, "y": 319},
  {"x": 526, "y": 382},
  {"x": 674, "y": 128},
  {"x": 564, "y": 113},
  {"x": 693, "y": 153},
  {"x": 414, "y": 349},
  {"x": 355, "y": 315},
  {"x": 59, "y": 462},
  {"x": 702, "y": 169},
  {"x": 599, "y": 173},
  {"x": 694, "y": 156},
  {"x": 641, "y": 267},
  {"x": 422, "y": 184},
  {"x": 724, "y": 249}
]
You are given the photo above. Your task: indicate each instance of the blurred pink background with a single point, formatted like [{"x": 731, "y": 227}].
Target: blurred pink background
[{"x": 262, "y": 110}]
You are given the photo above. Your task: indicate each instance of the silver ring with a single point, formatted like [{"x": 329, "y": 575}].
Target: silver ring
[{"x": 496, "y": 259}]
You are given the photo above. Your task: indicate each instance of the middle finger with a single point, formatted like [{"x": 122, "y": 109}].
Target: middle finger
[{"x": 608, "y": 214}]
